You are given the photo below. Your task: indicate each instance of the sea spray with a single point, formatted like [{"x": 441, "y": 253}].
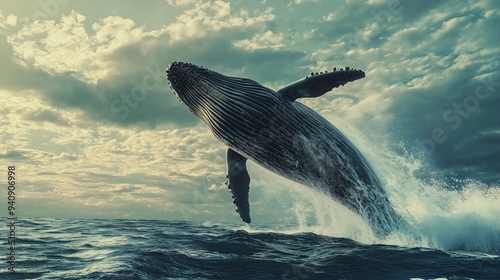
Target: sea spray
[
  {"x": 305, "y": 209},
  {"x": 445, "y": 216}
]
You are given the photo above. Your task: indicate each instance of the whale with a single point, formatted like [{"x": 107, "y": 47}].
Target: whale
[{"x": 276, "y": 131}]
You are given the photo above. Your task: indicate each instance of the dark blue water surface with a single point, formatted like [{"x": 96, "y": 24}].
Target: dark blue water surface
[{"x": 140, "y": 249}]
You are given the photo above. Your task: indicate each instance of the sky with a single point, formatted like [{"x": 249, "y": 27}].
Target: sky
[{"x": 94, "y": 131}]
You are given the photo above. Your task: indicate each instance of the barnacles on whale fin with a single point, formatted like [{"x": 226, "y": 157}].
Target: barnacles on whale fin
[
  {"x": 351, "y": 71},
  {"x": 320, "y": 83}
]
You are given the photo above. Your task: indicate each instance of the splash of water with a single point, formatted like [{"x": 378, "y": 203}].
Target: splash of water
[
  {"x": 440, "y": 215},
  {"x": 444, "y": 216}
]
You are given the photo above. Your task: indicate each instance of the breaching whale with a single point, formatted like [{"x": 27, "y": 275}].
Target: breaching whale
[{"x": 285, "y": 137}]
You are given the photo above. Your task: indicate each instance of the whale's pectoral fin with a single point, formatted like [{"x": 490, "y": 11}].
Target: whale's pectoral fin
[
  {"x": 318, "y": 84},
  {"x": 239, "y": 183}
]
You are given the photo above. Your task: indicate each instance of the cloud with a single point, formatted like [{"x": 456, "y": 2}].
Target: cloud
[
  {"x": 298, "y": 2},
  {"x": 117, "y": 74},
  {"x": 6, "y": 22},
  {"x": 12, "y": 155},
  {"x": 261, "y": 41},
  {"x": 45, "y": 115},
  {"x": 11, "y": 20},
  {"x": 451, "y": 86},
  {"x": 127, "y": 98},
  {"x": 213, "y": 16},
  {"x": 66, "y": 47},
  {"x": 181, "y": 2}
]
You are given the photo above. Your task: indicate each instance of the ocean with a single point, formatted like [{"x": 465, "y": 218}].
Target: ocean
[{"x": 49, "y": 248}]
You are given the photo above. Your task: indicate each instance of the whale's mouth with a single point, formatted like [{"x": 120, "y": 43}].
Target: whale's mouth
[
  {"x": 189, "y": 82},
  {"x": 183, "y": 76},
  {"x": 179, "y": 73}
]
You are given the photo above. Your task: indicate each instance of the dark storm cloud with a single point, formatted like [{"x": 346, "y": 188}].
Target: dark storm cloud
[
  {"x": 456, "y": 121},
  {"x": 350, "y": 22},
  {"x": 456, "y": 124}
]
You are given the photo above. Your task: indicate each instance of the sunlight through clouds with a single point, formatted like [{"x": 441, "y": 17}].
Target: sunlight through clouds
[
  {"x": 213, "y": 16},
  {"x": 262, "y": 41},
  {"x": 8, "y": 21},
  {"x": 65, "y": 46}
]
